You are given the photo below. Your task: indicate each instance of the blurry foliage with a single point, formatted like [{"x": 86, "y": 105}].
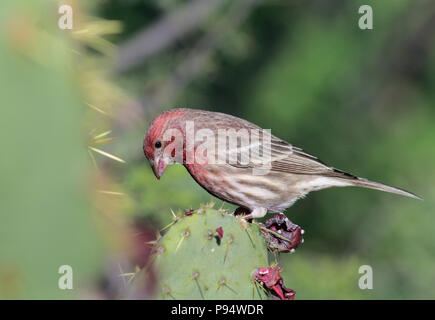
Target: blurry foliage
[
  {"x": 315, "y": 276},
  {"x": 46, "y": 215},
  {"x": 176, "y": 190}
]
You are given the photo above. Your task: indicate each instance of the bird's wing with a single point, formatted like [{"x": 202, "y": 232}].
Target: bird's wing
[
  {"x": 300, "y": 162},
  {"x": 278, "y": 155},
  {"x": 281, "y": 156}
]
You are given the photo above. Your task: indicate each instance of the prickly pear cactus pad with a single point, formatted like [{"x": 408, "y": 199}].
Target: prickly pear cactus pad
[{"x": 210, "y": 254}]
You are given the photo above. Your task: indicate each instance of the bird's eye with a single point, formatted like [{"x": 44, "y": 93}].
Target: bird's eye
[{"x": 158, "y": 144}]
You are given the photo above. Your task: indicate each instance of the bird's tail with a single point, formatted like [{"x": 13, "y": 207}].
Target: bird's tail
[{"x": 361, "y": 182}]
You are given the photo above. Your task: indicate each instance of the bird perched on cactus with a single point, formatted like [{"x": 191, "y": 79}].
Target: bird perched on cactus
[{"x": 238, "y": 162}]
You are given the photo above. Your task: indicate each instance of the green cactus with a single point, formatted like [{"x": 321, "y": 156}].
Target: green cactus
[{"x": 209, "y": 254}]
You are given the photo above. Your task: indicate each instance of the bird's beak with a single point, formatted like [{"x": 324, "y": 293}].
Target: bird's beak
[{"x": 159, "y": 166}]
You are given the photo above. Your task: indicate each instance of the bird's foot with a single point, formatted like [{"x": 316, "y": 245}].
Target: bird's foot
[
  {"x": 249, "y": 215},
  {"x": 243, "y": 213}
]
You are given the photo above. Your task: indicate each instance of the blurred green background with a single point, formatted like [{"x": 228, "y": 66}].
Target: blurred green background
[{"x": 360, "y": 100}]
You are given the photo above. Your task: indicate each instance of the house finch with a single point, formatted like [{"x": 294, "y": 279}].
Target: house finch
[{"x": 284, "y": 173}]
